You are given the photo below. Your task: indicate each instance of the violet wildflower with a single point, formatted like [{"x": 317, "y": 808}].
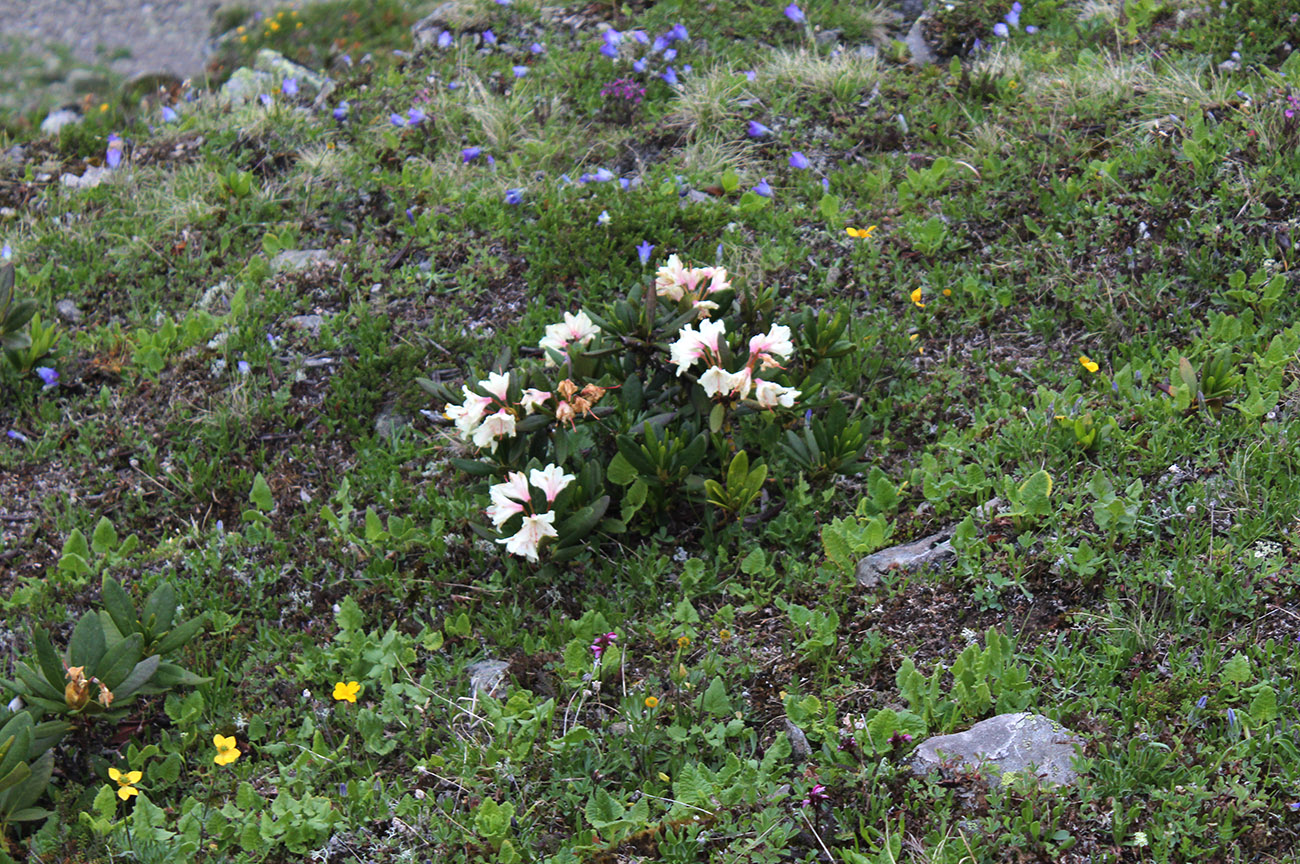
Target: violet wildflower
[
  {"x": 799, "y": 161},
  {"x": 453, "y": 85},
  {"x": 643, "y": 250},
  {"x": 1013, "y": 17},
  {"x": 341, "y": 111},
  {"x": 537, "y": 48},
  {"x": 514, "y": 196},
  {"x": 826, "y": 184},
  {"x": 757, "y": 130},
  {"x": 795, "y": 14},
  {"x": 469, "y": 154},
  {"x": 670, "y": 55},
  {"x": 603, "y": 218},
  {"x": 816, "y": 795},
  {"x": 763, "y": 188},
  {"x": 750, "y": 74},
  {"x": 410, "y": 216},
  {"x": 603, "y": 175},
  {"x": 6, "y": 252},
  {"x": 489, "y": 37},
  {"x": 17, "y": 436},
  {"x": 1232, "y": 719},
  {"x": 1031, "y": 29},
  {"x": 520, "y": 71},
  {"x": 1202, "y": 702},
  {"x": 113, "y": 155},
  {"x": 1000, "y": 30},
  {"x": 1294, "y": 805},
  {"x": 416, "y": 116},
  {"x": 603, "y": 642},
  {"x": 898, "y": 739},
  {"x": 678, "y": 33},
  {"x": 444, "y": 39},
  {"x": 640, "y": 37},
  {"x": 639, "y": 65},
  {"x": 669, "y": 77},
  {"x": 397, "y": 120},
  {"x": 658, "y": 45},
  {"x": 49, "y": 377},
  {"x": 610, "y": 51},
  {"x": 243, "y": 367},
  {"x": 289, "y": 87},
  {"x": 169, "y": 114},
  {"x": 265, "y": 99},
  {"x": 613, "y": 37}
]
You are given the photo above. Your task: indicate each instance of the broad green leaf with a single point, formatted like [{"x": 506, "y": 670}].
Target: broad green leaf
[
  {"x": 104, "y": 539},
  {"x": 1035, "y": 494},
  {"x": 1236, "y": 670},
  {"x": 261, "y": 495},
  {"x": 118, "y": 605},
  {"x": 715, "y": 699},
  {"x": 602, "y": 810},
  {"x": 87, "y": 645}
]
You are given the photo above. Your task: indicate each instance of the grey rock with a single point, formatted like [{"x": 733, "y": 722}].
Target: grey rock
[
  {"x": 799, "y": 748},
  {"x": 57, "y": 119},
  {"x": 455, "y": 15},
  {"x": 95, "y": 174},
  {"x": 68, "y": 311},
  {"x": 310, "y": 83},
  {"x": 390, "y": 422},
  {"x": 293, "y": 260},
  {"x": 487, "y": 678},
  {"x": 86, "y": 81},
  {"x": 909, "y": 557},
  {"x": 309, "y": 324},
  {"x": 245, "y": 85},
  {"x": 921, "y": 52},
  {"x": 697, "y": 197},
  {"x": 828, "y": 37},
  {"x": 1024, "y": 743}
]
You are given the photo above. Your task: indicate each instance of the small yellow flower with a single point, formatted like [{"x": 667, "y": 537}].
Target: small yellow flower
[
  {"x": 227, "y": 749},
  {"x": 683, "y": 643},
  {"x": 862, "y": 233},
  {"x": 243, "y": 38},
  {"x": 916, "y": 299},
  {"x": 724, "y": 634},
  {"x": 664, "y": 777},
  {"x": 126, "y": 782},
  {"x": 239, "y": 29},
  {"x": 1088, "y": 364},
  {"x": 273, "y": 26},
  {"x": 298, "y": 26},
  {"x": 103, "y": 107},
  {"x": 947, "y": 292},
  {"x": 914, "y": 337},
  {"x": 347, "y": 692},
  {"x": 652, "y": 702}
]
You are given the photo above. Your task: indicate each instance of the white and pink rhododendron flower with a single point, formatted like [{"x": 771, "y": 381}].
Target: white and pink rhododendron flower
[
  {"x": 716, "y": 381},
  {"x": 495, "y": 426},
  {"x": 528, "y": 538},
  {"x": 669, "y": 278},
  {"x": 470, "y": 414},
  {"x": 579, "y": 329},
  {"x": 742, "y": 382},
  {"x": 772, "y": 347},
  {"x": 508, "y": 498},
  {"x": 769, "y": 394},
  {"x": 498, "y": 384},
  {"x": 691, "y": 345},
  {"x": 532, "y": 399},
  {"x": 551, "y": 480}
]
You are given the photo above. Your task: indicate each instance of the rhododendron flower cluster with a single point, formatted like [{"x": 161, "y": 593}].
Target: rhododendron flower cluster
[
  {"x": 475, "y": 419},
  {"x": 677, "y": 282},
  {"x": 515, "y": 496},
  {"x": 766, "y": 351},
  {"x": 573, "y": 330}
]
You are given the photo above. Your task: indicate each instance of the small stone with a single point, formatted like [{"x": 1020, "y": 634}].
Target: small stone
[
  {"x": 390, "y": 422},
  {"x": 293, "y": 260},
  {"x": 799, "y": 748},
  {"x": 95, "y": 174},
  {"x": 922, "y": 53},
  {"x": 455, "y": 15},
  {"x": 245, "y": 85},
  {"x": 310, "y": 83},
  {"x": 908, "y": 557},
  {"x": 487, "y": 678},
  {"x": 57, "y": 119},
  {"x": 1024, "y": 743},
  {"x": 309, "y": 324},
  {"x": 68, "y": 311}
]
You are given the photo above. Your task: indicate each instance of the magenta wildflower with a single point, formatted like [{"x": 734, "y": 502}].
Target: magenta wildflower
[
  {"x": 603, "y": 642},
  {"x": 816, "y": 795}
]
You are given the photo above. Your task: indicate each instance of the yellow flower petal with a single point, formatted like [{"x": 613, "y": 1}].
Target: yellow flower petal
[
  {"x": 114, "y": 774},
  {"x": 125, "y": 792},
  {"x": 134, "y": 776},
  {"x": 1088, "y": 364},
  {"x": 651, "y": 702},
  {"x": 916, "y": 298}
]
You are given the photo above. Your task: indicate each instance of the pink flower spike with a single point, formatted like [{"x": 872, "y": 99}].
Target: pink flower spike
[
  {"x": 603, "y": 641},
  {"x": 551, "y": 480}
]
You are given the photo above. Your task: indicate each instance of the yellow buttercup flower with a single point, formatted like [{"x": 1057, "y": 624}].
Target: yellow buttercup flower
[
  {"x": 947, "y": 292},
  {"x": 126, "y": 782},
  {"x": 651, "y": 702},
  {"x": 916, "y": 298},
  {"x": 683, "y": 642},
  {"x": 724, "y": 634},
  {"x": 227, "y": 749},
  {"x": 347, "y": 692},
  {"x": 862, "y": 233},
  {"x": 1088, "y": 364}
]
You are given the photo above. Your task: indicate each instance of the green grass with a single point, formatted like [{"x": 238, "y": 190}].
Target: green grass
[{"x": 1100, "y": 189}]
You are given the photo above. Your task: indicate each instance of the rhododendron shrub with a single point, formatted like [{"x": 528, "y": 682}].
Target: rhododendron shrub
[{"x": 631, "y": 408}]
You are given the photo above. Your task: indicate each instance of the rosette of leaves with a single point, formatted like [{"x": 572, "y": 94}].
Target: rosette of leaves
[
  {"x": 113, "y": 654},
  {"x": 26, "y": 764}
]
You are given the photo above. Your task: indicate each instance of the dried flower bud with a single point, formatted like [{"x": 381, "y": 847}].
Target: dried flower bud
[
  {"x": 593, "y": 393},
  {"x": 77, "y": 693},
  {"x": 567, "y": 388},
  {"x": 105, "y": 695},
  {"x": 564, "y": 413}
]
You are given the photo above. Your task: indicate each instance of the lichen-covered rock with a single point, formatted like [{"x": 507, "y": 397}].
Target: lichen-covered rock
[{"x": 1024, "y": 743}]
